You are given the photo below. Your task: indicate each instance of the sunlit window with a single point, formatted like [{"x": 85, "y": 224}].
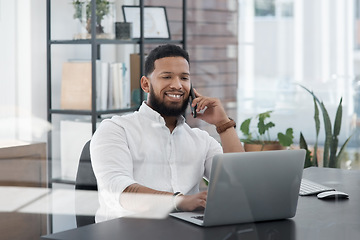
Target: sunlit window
[{"x": 287, "y": 43}]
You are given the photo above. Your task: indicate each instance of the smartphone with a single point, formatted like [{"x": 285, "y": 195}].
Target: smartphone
[{"x": 191, "y": 98}]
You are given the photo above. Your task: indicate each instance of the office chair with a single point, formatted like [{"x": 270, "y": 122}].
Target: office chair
[{"x": 85, "y": 180}]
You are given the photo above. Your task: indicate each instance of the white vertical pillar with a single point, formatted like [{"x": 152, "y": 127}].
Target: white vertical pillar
[
  {"x": 298, "y": 40},
  {"x": 325, "y": 39},
  {"x": 340, "y": 35},
  {"x": 23, "y": 69},
  {"x": 246, "y": 53},
  {"x": 281, "y": 41},
  {"x": 7, "y": 70},
  {"x": 350, "y": 46}
]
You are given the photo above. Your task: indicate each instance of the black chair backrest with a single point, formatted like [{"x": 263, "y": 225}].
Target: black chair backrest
[
  {"x": 85, "y": 177},
  {"x": 85, "y": 180}
]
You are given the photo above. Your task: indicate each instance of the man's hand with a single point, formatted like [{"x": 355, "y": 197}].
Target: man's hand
[
  {"x": 137, "y": 197},
  {"x": 214, "y": 113},
  {"x": 189, "y": 203}
]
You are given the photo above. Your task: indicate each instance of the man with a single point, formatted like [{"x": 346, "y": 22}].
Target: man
[{"x": 153, "y": 150}]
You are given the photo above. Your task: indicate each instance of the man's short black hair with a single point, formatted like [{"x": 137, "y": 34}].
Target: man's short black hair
[{"x": 162, "y": 51}]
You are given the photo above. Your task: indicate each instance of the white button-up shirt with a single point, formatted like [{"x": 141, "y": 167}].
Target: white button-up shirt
[{"x": 139, "y": 148}]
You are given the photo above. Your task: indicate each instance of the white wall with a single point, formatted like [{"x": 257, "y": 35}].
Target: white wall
[
  {"x": 7, "y": 69},
  {"x": 23, "y": 70}
]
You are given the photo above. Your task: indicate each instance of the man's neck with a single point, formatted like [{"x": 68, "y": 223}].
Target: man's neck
[{"x": 170, "y": 122}]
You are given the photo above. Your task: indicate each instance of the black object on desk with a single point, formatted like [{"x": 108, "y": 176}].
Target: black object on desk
[{"x": 315, "y": 219}]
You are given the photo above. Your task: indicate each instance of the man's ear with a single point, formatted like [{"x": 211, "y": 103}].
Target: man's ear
[{"x": 145, "y": 84}]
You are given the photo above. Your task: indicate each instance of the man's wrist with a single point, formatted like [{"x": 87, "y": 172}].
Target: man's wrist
[
  {"x": 176, "y": 200},
  {"x": 224, "y": 125}
]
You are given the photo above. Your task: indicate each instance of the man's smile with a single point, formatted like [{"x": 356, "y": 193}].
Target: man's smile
[{"x": 174, "y": 96}]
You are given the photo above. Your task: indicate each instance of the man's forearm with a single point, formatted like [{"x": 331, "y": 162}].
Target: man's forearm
[
  {"x": 230, "y": 141},
  {"x": 137, "y": 188},
  {"x": 139, "y": 198}
]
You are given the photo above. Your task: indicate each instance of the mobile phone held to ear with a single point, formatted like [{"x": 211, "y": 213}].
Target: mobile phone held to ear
[{"x": 191, "y": 98}]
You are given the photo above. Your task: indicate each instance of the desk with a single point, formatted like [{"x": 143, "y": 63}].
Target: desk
[
  {"x": 22, "y": 164},
  {"x": 315, "y": 219}
]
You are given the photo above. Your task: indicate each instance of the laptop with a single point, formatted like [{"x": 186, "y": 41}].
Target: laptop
[{"x": 251, "y": 187}]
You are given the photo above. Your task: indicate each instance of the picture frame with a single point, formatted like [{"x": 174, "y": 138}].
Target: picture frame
[{"x": 156, "y": 25}]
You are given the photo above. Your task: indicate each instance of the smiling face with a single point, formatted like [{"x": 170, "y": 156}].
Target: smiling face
[{"x": 168, "y": 86}]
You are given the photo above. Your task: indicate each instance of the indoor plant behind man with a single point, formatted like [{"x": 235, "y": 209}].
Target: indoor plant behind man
[{"x": 153, "y": 150}]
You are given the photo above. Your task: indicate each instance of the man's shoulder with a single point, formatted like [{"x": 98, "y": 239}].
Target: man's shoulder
[{"x": 121, "y": 119}]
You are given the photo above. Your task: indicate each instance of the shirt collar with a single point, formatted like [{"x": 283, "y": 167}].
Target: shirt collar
[{"x": 155, "y": 116}]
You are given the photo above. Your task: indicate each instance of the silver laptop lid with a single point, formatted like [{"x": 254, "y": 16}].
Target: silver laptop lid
[{"x": 254, "y": 186}]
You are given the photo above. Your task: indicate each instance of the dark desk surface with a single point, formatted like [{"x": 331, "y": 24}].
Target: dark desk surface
[{"x": 315, "y": 219}]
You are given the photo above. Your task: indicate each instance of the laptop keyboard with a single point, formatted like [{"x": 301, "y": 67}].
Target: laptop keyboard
[{"x": 308, "y": 187}]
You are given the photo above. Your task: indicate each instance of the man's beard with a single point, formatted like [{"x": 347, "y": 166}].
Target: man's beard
[{"x": 164, "y": 110}]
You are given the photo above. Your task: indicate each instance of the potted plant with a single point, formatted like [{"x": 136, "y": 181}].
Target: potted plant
[
  {"x": 259, "y": 139},
  {"x": 102, "y": 10},
  {"x": 332, "y": 155}
]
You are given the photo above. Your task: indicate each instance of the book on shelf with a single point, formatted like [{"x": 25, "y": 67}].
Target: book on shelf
[
  {"x": 135, "y": 79},
  {"x": 112, "y": 87},
  {"x": 76, "y": 85},
  {"x": 102, "y": 81},
  {"x": 119, "y": 87},
  {"x": 117, "y": 83},
  {"x": 104, "y": 84}
]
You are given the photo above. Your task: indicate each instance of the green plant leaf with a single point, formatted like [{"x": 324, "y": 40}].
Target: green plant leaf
[
  {"x": 333, "y": 161},
  {"x": 286, "y": 139},
  {"x": 316, "y": 118},
  {"x": 245, "y": 127},
  {"x": 303, "y": 145},
  {"x": 302, "y": 142},
  {"x": 317, "y": 129},
  {"x": 102, "y": 9},
  {"x": 263, "y": 127},
  {"x": 78, "y": 9},
  {"x": 333, "y": 149},
  {"x": 340, "y": 154},
  {"x": 262, "y": 133},
  {"x": 338, "y": 117},
  {"x": 327, "y": 125},
  {"x": 311, "y": 92},
  {"x": 264, "y": 115},
  {"x": 328, "y": 134}
]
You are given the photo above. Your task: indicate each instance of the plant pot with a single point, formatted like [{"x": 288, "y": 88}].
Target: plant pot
[{"x": 268, "y": 146}]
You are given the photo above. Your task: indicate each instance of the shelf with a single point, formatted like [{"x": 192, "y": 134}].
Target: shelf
[
  {"x": 93, "y": 46},
  {"x": 97, "y": 41},
  {"x": 70, "y": 112},
  {"x": 115, "y": 41},
  {"x": 159, "y": 41},
  {"x": 89, "y": 112},
  {"x": 82, "y": 41}
]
